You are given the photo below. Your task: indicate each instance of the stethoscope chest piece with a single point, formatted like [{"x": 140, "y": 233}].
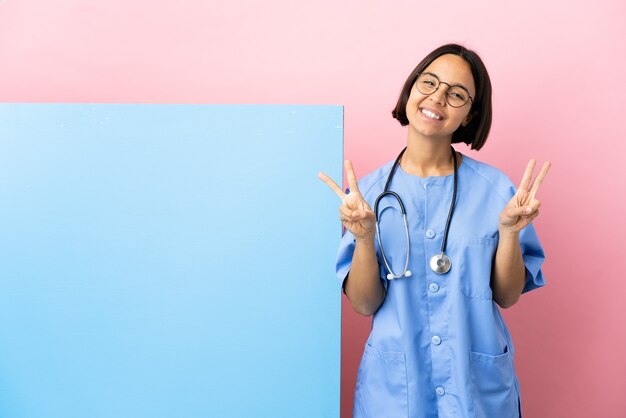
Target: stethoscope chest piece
[{"x": 440, "y": 263}]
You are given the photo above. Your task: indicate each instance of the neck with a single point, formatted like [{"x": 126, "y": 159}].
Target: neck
[{"x": 425, "y": 157}]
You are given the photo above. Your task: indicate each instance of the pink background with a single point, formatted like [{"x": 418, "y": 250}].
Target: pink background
[{"x": 558, "y": 70}]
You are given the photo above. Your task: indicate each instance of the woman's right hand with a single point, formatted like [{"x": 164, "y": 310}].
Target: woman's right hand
[{"x": 355, "y": 214}]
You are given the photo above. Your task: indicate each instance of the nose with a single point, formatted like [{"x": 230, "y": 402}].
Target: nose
[{"x": 439, "y": 95}]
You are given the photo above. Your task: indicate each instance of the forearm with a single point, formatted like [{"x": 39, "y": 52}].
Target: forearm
[
  {"x": 509, "y": 274},
  {"x": 363, "y": 286}
]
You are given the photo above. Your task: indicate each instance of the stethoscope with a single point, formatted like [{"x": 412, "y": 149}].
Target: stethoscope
[{"x": 440, "y": 263}]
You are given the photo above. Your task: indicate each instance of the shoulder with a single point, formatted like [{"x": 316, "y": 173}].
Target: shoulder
[
  {"x": 373, "y": 183},
  {"x": 493, "y": 177}
]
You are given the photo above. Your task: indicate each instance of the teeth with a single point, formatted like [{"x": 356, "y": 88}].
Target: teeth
[{"x": 430, "y": 114}]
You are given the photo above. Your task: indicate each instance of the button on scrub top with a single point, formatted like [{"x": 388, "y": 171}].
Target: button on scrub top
[{"x": 438, "y": 345}]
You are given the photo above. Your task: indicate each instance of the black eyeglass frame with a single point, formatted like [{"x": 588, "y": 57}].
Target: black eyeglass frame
[{"x": 439, "y": 82}]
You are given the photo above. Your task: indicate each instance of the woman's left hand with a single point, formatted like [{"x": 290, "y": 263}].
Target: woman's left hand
[{"x": 523, "y": 206}]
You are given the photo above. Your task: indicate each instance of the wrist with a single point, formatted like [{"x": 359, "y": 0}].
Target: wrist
[
  {"x": 365, "y": 239},
  {"x": 506, "y": 233}
]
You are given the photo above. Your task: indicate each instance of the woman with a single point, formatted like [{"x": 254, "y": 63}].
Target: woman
[{"x": 439, "y": 346}]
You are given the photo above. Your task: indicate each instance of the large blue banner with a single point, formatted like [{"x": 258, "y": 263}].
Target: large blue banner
[{"x": 168, "y": 261}]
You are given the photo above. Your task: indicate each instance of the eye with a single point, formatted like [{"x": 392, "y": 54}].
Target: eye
[
  {"x": 457, "y": 95},
  {"x": 427, "y": 84}
]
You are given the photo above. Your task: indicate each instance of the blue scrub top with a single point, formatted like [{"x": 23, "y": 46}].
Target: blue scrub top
[{"x": 438, "y": 345}]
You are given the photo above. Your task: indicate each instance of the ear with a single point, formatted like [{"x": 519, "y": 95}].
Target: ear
[{"x": 467, "y": 119}]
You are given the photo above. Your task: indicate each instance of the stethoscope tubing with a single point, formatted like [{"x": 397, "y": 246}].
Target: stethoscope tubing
[{"x": 439, "y": 263}]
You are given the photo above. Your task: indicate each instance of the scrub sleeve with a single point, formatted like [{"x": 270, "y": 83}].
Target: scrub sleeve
[{"x": 344, "y": 259}]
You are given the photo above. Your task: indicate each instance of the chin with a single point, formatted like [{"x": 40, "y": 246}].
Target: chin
[{"x": 434, "y": 134}]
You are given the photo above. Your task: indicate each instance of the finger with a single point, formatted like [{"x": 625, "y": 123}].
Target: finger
[
  {"x": 363, "y": 215},
  {"x": 355, "y": 215},
  {"x": 534, "y": 215},
  {"x": 525, "y": 183},
  {"x": 346, "y": 212},
  {"x": 529, "y": 219},
  {"x": 517, "y": 212},
  {"x": 542, "y": 174},
  {"x": 352, "y": 183},
  {"x": 331, "y": 183},
  {"x": 534, "y": 205}
]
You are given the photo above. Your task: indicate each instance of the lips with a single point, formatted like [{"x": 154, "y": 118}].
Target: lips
[{"x": 431, "y": 114}]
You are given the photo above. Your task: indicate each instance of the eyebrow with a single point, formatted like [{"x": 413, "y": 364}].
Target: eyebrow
[{"x": 451, "y": 85}]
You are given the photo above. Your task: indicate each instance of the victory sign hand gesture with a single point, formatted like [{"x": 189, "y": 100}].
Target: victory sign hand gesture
[
  {"x": 523, "y": 206},
  {"x": 355, "y": 214}
]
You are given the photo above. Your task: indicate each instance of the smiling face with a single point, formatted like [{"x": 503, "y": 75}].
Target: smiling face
[{"x": 430, "y": 115}]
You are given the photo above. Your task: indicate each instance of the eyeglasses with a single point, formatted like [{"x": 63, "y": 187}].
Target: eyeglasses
[{"x": 456, "y": 96}]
